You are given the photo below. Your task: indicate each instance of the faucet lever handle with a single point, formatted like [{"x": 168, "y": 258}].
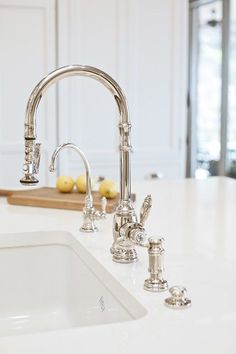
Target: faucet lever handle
[{"x": 145, "y": 209}]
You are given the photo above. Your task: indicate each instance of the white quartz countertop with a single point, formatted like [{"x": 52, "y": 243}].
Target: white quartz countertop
[{"x": 198, "y": 221}]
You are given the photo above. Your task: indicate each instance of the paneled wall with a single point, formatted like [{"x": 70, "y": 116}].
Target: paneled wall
[
  {"x": 143, "y": 45},
  {"x": 27, "y": 46}
]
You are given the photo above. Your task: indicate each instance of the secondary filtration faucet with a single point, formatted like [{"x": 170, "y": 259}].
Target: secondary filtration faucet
[
  {"x": 89, "y": 212},
  {"x": 127, "y": 231}
]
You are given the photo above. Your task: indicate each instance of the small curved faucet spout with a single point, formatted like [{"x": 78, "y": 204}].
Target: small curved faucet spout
[
  {"x": 85, "y": 161},
  {"x": 90, "y": 214}
]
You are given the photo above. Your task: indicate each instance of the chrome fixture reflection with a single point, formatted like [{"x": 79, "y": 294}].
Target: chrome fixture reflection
[
  {"x": 156, "y": 251},
  {"x": 124, "y": 251},
  {"x": 178, "y": 299},
  {"x": 89, "y": 212},
  {"x": 130, "y": 234}
]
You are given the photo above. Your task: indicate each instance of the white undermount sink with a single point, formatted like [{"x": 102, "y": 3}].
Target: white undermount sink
[{"x": 49, "y": 281}]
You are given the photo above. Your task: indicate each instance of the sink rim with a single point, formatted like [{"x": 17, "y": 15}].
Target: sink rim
[{"x": 132, "y": 306}]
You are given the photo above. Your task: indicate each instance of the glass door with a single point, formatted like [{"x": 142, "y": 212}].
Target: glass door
[
  {"x": 231, "y": 128},
  {"x": 212, "y": 89},
  {"x": 205, "y": 88}
]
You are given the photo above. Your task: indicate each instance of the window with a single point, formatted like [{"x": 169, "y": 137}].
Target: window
[{"x": 212, "y": 89}]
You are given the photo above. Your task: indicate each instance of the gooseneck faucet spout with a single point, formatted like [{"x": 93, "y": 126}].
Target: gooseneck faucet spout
[
  {"x": 31, "y": 168},
  {"x": 122, "y": 252}
]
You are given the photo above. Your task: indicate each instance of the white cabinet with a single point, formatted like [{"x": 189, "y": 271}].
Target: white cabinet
[
  {"x": 27, "y": 46},
  {"x": 141, "y": 44}
]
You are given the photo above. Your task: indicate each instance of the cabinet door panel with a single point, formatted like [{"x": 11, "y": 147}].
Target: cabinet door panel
[
  {"x": 143, "y": 45},
  {"x": 27, "y": 42}
]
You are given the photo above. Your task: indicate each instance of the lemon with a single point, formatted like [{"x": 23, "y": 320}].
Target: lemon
[
  {"x": 65, "y": 184},
  {"x": 108, "y": 189},
  {"x": 81, "y": 183}
]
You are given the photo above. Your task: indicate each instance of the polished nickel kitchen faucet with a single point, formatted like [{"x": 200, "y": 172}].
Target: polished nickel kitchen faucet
[{"x": 127, "y": 231}]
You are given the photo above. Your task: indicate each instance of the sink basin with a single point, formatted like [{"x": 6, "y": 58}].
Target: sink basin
[{"x": 49, "y": 282}]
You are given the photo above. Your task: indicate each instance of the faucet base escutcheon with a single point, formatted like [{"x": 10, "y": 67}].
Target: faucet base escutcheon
[
  {"x": 121, "y": 255},
  {"x": 155, "y": 285}
]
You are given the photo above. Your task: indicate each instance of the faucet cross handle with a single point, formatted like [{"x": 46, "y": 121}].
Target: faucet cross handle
[
  {"x": 145, "y": 209},
  {"x": 178, "y": 299}
]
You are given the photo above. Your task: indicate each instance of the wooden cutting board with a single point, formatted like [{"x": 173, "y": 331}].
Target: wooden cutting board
[
  {"x": 46, "y": 197},
  {"x": 5, "y": 192}
]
